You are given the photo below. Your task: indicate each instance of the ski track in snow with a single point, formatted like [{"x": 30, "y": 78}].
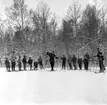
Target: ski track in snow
[{"x": 56, "y": 87}]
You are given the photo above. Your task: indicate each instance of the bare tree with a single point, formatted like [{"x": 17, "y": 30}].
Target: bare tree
[
  {"x": 19, "y": 18},
  {"x": 103, "y": 18},
  {"x": 2, "y": 35},
  {"x": 44, "y": 25},
  {"x": 70, "y": 27},
  {"x": 17, "y": 13},
  {"x": 74, "y": 14},
  {"x": 91, "y": 26}
]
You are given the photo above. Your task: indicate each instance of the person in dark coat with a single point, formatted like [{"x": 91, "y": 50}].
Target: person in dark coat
[
  {"x": 74, "y": 60},
  {"x": 70, "y": 62},
  {"x": 13, "y": 61},
  {"x": 100, "y": 59},
  {"x": 35, "y": 65},
  {"x": 7, "y": 63},
  {"x": 40, "y": 62},
  {"x": 52, "y": 57},
  {"x": 24, "y": 61},
  {"x": 30, "y": 61},
  {"x": 63, "y": 62},
  {"x": 86, "y": 61},
  {"x": 80, "y": 63},
  {"x": 19, "y": 63}
]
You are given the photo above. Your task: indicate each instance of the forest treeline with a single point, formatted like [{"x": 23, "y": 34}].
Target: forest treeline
[{"x": 36, "y": 31}]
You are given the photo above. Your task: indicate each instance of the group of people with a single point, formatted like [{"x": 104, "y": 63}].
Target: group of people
[
  {"x": 72, "y": 62},
  {"x": 22, "y": 63}
]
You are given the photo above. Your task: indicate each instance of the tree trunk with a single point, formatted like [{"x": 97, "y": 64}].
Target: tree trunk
[{"x": 66, "y": 49}]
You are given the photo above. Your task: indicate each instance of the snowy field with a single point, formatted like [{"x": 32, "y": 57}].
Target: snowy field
[{"x": 53, "y": 88}]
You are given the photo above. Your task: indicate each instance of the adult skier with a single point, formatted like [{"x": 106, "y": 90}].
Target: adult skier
[
  {"x": 52, "y": 57},
  {"x": 63, "y": 62}
]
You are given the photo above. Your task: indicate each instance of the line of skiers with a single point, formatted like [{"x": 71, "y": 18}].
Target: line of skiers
[
  {"x": 22, "y": 62},
  {"x": 72, "y": 62}
]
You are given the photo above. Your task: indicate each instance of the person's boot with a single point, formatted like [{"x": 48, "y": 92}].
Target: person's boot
[
  {"x": 19, "y": 68},
  {"x": 100, "y": 70},
  {"x": 104, "y": 67},
  {"x": 52, "y": 69}
]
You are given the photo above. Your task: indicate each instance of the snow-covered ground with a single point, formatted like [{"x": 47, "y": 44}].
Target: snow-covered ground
[{"x": 51, "y": 88}]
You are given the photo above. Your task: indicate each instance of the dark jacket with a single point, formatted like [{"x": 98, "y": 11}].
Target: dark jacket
[
  {"x": 79, "y": 60},
  {"x": 63, "y": 59},
  {"x": 24, "y": 60},
  {"x": 40, "y": 60},
  {"x": 86, "y": 57},
  {"x": 74, "y": 59},
  {"x": 7, "y": 63},
  {"x": 100, "y": 56},
  {"x": 52, "y": 57},
  {"x": 30, "y": 61}
]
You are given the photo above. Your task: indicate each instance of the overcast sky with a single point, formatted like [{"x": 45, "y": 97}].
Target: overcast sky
[{"x": 57, "y": 6}]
